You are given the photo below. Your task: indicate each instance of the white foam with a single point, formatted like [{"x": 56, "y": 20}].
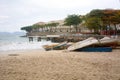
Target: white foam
[{"x": 23, "y": 45}]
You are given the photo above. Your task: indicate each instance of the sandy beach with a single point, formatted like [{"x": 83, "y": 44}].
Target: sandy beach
[{"x": 59, "y": 65}]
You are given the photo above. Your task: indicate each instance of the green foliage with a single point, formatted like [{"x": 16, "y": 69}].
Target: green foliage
[
  {"x": 98, "y": 19},
  {"x": 93, "y": 23},
  {"x": 36, "y": 26},
  {"x": 52, "y": 24},
  {"x": 73, "y": 20},
  {"x": 95, "y": 13},
  {"x": 95, "y": 20},
  {"x": 27, "y": 28}
]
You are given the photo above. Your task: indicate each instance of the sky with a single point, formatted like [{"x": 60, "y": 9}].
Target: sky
[{"x": 15, "y": 14}]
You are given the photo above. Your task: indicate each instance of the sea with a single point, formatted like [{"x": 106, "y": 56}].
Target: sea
[{"x": 14, "y": 41}]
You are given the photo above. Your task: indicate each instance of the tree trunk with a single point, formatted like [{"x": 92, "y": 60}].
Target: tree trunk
[
  {"x": 115, "y": 29},
  {"x": 50, "y": 29},
  {"x": 109, "y": 32},
  {"x": 76, "y": 28},
  {"x": 100, "y": 29},
  {"x": 70, "y": 28}
]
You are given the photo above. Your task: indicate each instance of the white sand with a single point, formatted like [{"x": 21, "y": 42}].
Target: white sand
[{"x": 59, "y": 65}]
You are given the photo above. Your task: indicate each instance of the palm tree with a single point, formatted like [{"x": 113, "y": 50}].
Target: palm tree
[{"x": 51, "y": 25}]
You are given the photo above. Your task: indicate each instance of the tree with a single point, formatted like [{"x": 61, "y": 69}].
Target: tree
[
  {"x": 103, "y": 19},
  {"x": 36, "y": 27},
  {"x": 93, "y": 23},
  {"x": 93, "y": 20},
  {"x": 116, "y": 20},
  {"x": 73, "y": 20},
  {"x": 52, "y": 25},
  {"x": 111, "y": 17},
  {"x": 95, "y": 13},
  {"x": 27, "y": 28}
]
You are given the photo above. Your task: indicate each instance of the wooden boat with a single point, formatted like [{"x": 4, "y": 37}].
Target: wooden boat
[
  {"x": 119, "y": 43},
  {"x": 107, "y": 42},
  {"x": 49, "y": 47},
  {"x": 59, "y": 46},
  {"x": 82, "y": 44}
]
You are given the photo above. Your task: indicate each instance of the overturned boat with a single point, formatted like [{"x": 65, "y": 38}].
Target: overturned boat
[
  {"x": 82, "y": 44},
  {"x": 58, "y": 46},
  {"x": 107, "y": 42},
  {"x": 94, "y": 45}
]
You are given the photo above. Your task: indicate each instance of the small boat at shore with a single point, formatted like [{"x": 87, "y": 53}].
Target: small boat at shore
[
  {"x": 93, "y": 44},
  {"x": 95, "y": 49},
  {"x": 58, "y": 46},
  {"x": 82, "y": 44},
  {"x": 107, "y": 42}
]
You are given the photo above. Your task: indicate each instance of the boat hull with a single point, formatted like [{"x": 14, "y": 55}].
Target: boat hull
[
  {"x": 95, "y": 49},
  {"x": 60, "y": 46},
  {"x": 107, "y": 42},
  {"x": 82, "y": 44}
]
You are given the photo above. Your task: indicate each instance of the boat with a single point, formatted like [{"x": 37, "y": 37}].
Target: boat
[
  {"x": 82, "y": 44},
  {"x": 95, "y": 49},
  {"x": 49, "y": 47},
  {"x": 59, "y": 46},
  {"x": 107, "y": 42}
]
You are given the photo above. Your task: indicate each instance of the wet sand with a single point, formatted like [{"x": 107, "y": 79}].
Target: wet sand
[{"x": 59, "y": 65}]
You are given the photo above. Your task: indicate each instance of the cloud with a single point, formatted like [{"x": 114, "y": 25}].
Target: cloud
[
  {"x": 57, "y": 3},
  {"x": 17, "y": 13},
  {"x": 4, "y": 17}
]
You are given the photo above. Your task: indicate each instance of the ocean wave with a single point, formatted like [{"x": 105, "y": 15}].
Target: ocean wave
[{"x": 23, "y": 45}]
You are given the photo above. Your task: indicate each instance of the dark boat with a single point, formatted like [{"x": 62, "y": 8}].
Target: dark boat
[
  {"x": 95, "y": 49},
  {"x": 59, "y": 46}
]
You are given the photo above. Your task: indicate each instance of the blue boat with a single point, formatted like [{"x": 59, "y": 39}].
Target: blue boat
[{"x": 95, "y": 49}]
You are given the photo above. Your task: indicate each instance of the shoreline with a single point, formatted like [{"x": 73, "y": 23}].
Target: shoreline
[
  {"x": 117, "y": 49},
  {"x": 59, "y": 65}
]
